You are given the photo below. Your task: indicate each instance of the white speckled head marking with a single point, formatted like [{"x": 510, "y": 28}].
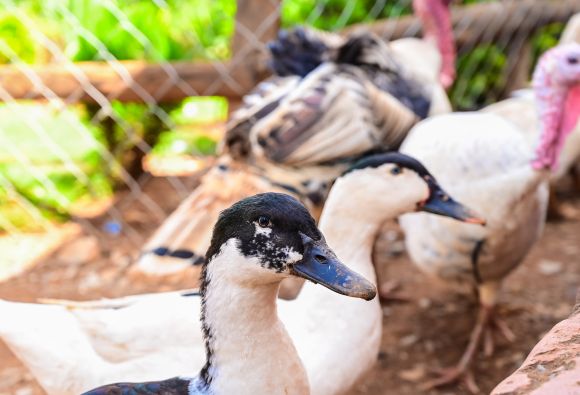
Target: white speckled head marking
[{"x": 262, "y": 231}]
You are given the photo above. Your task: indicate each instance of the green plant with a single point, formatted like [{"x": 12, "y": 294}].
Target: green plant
[
  {"x": 336, "y": 14},
  {"x": 51, "y": 158},
  {"x": 15, "y": 39}
]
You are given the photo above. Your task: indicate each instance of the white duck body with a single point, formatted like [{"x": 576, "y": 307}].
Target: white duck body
[
  {"x": 70, "y": 351},
  {"x": 339, "y": 341},
  {"x": 483, "y": 160},
  {"x": 337, "y": 338}
]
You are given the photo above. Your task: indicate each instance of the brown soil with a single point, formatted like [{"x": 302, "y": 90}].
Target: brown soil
[{"x": 428, "y": 332}]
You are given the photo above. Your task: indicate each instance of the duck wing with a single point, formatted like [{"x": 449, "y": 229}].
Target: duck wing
[
  {"x": 260, "y": 102},
  {"x": 300, "y": 50},
  {"x": 335, "y": 113},
  {"x": 188, "y": 229}
]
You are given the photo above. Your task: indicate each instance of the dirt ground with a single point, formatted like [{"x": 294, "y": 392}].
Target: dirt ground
[{"x": 427, "y": 332}]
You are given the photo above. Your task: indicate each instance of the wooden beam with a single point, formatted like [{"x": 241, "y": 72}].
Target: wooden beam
[
  {"x": 485, "y": 22},
  {"x": 257, "y": 21},
  {"x": 138, "y": 82}
]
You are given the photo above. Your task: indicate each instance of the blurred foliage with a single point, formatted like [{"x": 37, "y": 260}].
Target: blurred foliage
[
  {"x": 14, "y": 34},
  {"x": 336, "y": 14},
  {"x": 124, "y": 29},
  {"x": 53, "y": 159},
  {"x": 547, "y": 37},
  {"x": 198, "y": 126},
  {"x": 484, "y": 66}
]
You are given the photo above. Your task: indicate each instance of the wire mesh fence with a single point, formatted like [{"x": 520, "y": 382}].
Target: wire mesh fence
[{"x": 97, "y": 96}]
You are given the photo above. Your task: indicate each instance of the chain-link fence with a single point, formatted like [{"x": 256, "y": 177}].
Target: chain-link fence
[{"x": 99, "y": 96}]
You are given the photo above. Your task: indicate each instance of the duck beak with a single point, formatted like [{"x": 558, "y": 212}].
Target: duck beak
[
  {"x": 439, "y": 202},
  {"x": 321, "y": 266}
]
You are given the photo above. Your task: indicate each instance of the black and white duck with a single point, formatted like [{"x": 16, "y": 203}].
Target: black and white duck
[{"x": 256, "y": 243}]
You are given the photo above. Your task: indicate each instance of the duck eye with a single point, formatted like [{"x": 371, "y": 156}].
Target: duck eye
[
  {"x": 264, "y": 221},
  {"x": 396, "y": 170}
]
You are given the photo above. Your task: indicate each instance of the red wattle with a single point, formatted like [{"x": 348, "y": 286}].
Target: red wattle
[{"x": 436, "y": 19}]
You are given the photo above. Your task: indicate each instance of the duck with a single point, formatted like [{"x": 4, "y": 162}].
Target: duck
[
  {"x": 487, "y": 162},
  {"x": 338, "y": 341},
  {"x": 256, "y": 243},
  {"x": 331, "y": 101}
]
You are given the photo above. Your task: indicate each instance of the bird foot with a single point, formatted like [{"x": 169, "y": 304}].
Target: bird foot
[
  {"x": 495, "y": 325},
  {"x": 452, "y": 375}
]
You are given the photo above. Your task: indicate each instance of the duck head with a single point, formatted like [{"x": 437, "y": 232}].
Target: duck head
[
  {"x": 436, "y": 19},
  {"x": 277, "y": 238},
  {"x": 556, "y": 84},
  {"x": 394, "y": 184}
]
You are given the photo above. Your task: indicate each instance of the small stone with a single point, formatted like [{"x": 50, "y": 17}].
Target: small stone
[
  {"x": 24, "y": 391},
  {"x": 413, "y": 375},
  {"x": 10, "y": 377},
  {"x": 549, "y": 268},
  {"x": 424, "y": 303},
  {"x": 80, "y": 251},
  {"x": 90, "y": 282},
  {"x": 408, "y": 340},
  {"x": 387, "y": 311},
  {"x": 540, "y": 368}
]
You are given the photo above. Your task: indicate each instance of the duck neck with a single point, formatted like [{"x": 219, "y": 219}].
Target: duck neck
[
  {"x": 248, "y": 349},
  {"x": 350, "y": 229}
]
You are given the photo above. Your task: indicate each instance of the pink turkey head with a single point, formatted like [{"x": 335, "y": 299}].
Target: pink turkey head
[
  {"x": 556, "y": 84},
  {"x": 436, "y": 19}
]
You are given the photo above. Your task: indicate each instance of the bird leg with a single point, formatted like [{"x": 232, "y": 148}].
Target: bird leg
[{"x": 487, "y": 321}]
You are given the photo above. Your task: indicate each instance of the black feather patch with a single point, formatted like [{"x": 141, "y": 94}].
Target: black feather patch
[
  {"x": 287, "y": 214},
  {"x": 398, "y": 158},
  {"x": 160, "y": 251},
  {"x": 174, "y": 386},
  {"x": 362, "y": 50},
  {"x": 296, "y": 52}
]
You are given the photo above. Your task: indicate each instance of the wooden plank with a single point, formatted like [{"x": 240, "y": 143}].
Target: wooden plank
[
  {"x": 138, "y": 82},
  {"x": 257, "y": 22},
  {"x": 485, "y": 22}
]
